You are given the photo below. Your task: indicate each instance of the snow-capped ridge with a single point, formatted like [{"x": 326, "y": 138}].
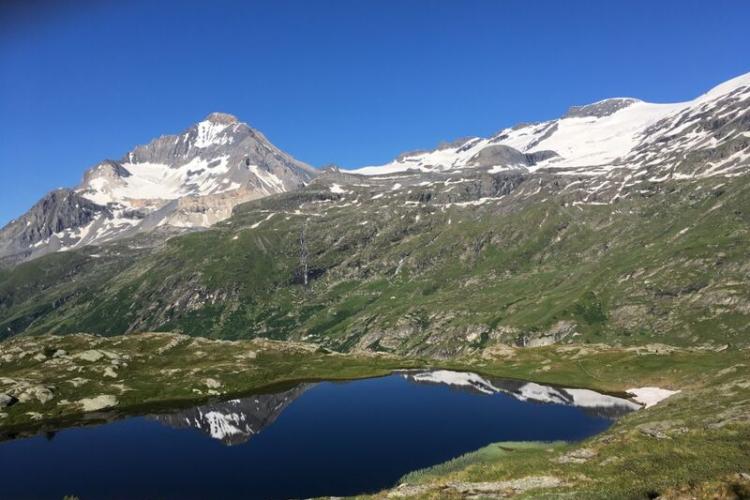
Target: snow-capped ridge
[
  {"x": 724, "y": 88},
  {"x": 602, "y": 108},
  {"x": 591, "y": 139},
  {"x": 599, "y": 153}
]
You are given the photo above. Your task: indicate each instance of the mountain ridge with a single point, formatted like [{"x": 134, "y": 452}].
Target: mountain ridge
[
  {"x": 194, "y": 179},
  {"x": 189, "y": 180},
  {"x": 448, "y": 260},
  {"x": 612, "y": 128}
]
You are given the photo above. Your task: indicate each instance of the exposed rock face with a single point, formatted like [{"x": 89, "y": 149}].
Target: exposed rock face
[
  {"x": 190, "y": 180},
  {"x": 555, "y": 334},
  {"x": 7, "y": 400},
  {"x": 101, "y": 402},
  {"x": 108, "y": 169},
  {"x": 500, "y": 155},
  {"x": 601, "y": 108},
  {"x": 23, "y": 391},
  {"x": 35, "y": 392},
  {"x": 237, "y": 420},
  {"x": 50, "y": 224},
  {"x": 92, "y": 355}
]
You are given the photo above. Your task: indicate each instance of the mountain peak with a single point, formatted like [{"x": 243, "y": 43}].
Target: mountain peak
[
  {"x": 219, "y": 161},
  {"x": 222, "y": 118}
]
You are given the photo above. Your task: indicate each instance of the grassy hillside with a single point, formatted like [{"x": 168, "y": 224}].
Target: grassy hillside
[
  {"x": 692, "y": 445},
  {"x": 417, "y": 272}
]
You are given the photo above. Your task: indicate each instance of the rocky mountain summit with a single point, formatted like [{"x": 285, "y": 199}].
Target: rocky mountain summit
[{"x": 186, "y": 181}]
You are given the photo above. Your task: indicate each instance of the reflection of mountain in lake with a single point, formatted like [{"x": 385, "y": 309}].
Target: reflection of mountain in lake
[
  {"x": 234, "y": 421},
  {"x": 592, "y": 402}
]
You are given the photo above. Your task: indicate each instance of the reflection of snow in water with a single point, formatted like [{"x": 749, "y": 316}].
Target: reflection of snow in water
[
  {"x": 224, "y": 425},
  {"x": 530, "y": 391},
  {"x": 587, "y": 398},
  {"x": 465, "y": 379}
]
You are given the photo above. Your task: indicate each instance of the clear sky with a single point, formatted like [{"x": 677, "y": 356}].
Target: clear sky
[{"x": 331, "y": 81}]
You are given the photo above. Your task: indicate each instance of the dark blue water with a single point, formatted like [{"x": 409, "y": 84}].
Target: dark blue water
[{"x": 322, "y": 439}]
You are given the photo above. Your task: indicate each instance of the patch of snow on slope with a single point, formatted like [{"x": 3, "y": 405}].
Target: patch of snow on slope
[
  {"x": 156, "y": 181},
  {"x": 210, "y": 133},
  {"x": 649, "y": 396},
  {"x": 440, "y": 159},
  {"x": 257, "y": 224},
  {"x": 591, "y": 141},
  {"x": 336, "y": 188}
]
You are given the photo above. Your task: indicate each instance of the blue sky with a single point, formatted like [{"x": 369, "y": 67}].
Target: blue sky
[{"x": 345, "y": 82}]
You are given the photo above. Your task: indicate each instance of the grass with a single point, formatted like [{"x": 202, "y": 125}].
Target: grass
[
  {"x": 483, "y": 457},
  {"x": 695, "y": 444}
]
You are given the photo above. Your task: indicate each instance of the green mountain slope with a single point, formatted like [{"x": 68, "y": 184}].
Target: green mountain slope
[{"x": 447, "y": 265}]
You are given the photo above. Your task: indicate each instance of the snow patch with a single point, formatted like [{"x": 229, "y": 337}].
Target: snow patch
[
  {"x": 210, "y": 133},
  {"x": 336, "y": 188},
  {"x": 158, "y": 181},
  {"x": 649, "y": 396},
  {"x": 254, "y": 226}
]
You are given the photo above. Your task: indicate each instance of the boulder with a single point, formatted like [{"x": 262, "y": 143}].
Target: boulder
[
  {"x": 100, "y": 402},
  {"x": 7, "y": 400},
  {"x": 92, "y": 355},
  {"x": 212, "y": 383},
  {"x": 38, "y": 392}
]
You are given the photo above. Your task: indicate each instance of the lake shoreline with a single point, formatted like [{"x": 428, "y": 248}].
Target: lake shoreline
[{"x": 685, "y": 430}]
